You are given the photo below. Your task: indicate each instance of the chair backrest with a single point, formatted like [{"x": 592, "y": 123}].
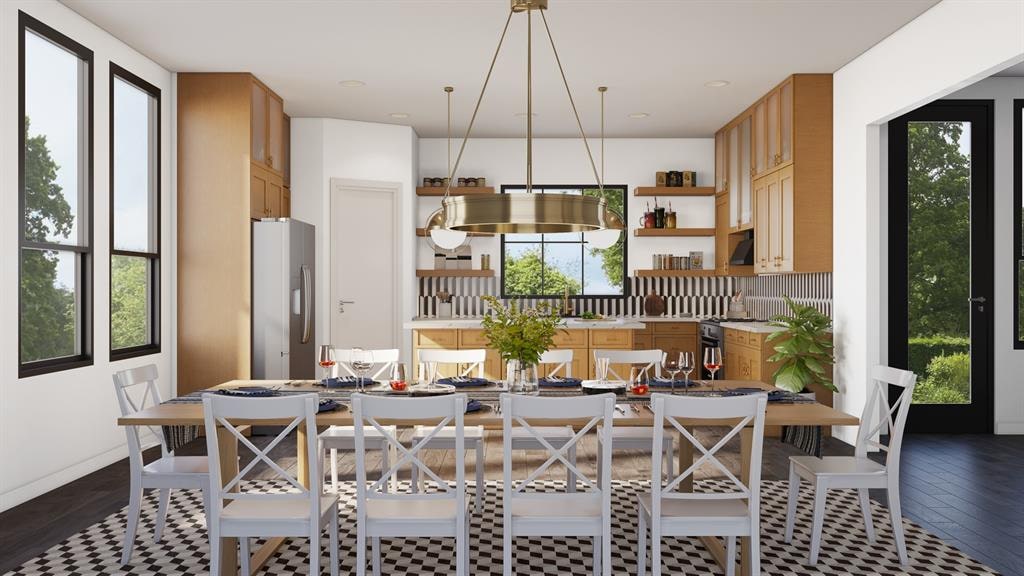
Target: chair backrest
[
  {"x": 136, "y": 390},
  {"x": 294, "y": 412},
  {"x": 749, "y": 410},
  {"x": 649, "y": 359},
  {"x": 562, "y": 360},
  {"x": 474, "y": 359},
  {"x": 383, "y": 360},
  {"x": 369, "y": 411},
  {"x": 881, "y": 416},
  {"x": 593, "y": 412}
]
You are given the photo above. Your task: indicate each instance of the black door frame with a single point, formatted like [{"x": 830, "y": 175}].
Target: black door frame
[{"x": 978, "y": 416}]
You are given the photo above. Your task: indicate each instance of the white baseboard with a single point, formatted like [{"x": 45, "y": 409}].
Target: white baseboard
[
  {"x": 26, "y": 492},
  {"x": 1010, "y": 427}
]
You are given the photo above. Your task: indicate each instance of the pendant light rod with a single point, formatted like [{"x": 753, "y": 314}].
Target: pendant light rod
[
  {"x": 602, "y": 90},
  {"x": 583, "y": 135},
  {"x": 448, "y": 90},
  {"x": 529, "y": 100},
  {"x": 472, "y": 119}
]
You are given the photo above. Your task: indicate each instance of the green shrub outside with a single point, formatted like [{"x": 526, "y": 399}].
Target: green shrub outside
[
  {"x": 947, "y": 380},
  {"x": 921, "y": 350}
]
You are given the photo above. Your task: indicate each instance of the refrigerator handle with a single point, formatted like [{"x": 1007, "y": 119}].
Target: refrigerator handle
[{"x": 306, "y": 319}]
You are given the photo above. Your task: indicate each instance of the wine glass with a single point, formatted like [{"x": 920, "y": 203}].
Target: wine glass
[
  {"x": 326, "y": 360},
  {"x": 361, "y": 362},
  {"x": 638, "y": 382},
  {"x": 713, "y": 361},
  {"x": 686, "y": 365},
  {"x": 397, "y": 380},
  {"x": 672, "y": 363}
]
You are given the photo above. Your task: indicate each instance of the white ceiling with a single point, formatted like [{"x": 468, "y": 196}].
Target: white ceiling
[{"x": 654, "y": 55}]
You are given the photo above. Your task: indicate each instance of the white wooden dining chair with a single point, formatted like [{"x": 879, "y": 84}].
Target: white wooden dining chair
[
  {"x": 240, "y": 510},
  {"x": 164, "y": 474},
  {"x": 383, "y": 361},
  {"x": 585, "y": 513},
  {"x": 859, "y": 471},
  {"x": 637, "y": 437},
  {"x": 730, "y": 514},
  {"x": 473, "y": 435},
  {"x": 342, "y": 438},
  {"x": 557, "y": 436},
  {"x": 438, "y": 512}
]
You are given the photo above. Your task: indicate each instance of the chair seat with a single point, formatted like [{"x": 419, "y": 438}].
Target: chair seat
[
  {"x": 635, "y": 433},
  {"x": 696, "y": 509},
  {"x": 577, "y": 505},
  {"x": 448, "y": 432},
  {"x": 838, "y": 466},
  {"x": 178, "y": 465},
  {"x": 547, "y": 432},
  {"x": 413, "y": 510},
  {"x": 350, "y": 432},
  {"x": 274, "y": 510}
]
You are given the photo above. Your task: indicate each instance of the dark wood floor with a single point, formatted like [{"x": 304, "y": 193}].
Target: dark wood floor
[{"x": 968, "y": 490}]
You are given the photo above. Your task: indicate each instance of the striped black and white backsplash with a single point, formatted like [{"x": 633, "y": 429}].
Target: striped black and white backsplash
[{"x": 693, "y": 296}]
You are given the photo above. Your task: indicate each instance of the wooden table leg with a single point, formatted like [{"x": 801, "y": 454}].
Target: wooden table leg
[
  {"x": 228, "y": 445},
  {"x": 685, "y": 461},
  {"x": 302, "y": 457}
]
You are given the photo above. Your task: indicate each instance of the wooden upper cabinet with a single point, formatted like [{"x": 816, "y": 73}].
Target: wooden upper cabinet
[
  {"x": 286, "y": 151},
  {"x": 761, "y": 225},
  {"x": 259, "y": 123},
  {"x": 786, "y": 122},
  {"x": 733, "y": 154},
  {"x": 760, "y": 142},
  {"x": 743, "y": 214},
  {"x": 259, "y": 185},
  {"x": 722, "y": 234},
  {"x": 275, "y": 132},
  {"x": 772, "y": 128},
  {"x": 720, "y": 161}
]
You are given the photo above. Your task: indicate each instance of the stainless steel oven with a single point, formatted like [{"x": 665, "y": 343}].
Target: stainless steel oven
[{"x": 711, "y": 335}]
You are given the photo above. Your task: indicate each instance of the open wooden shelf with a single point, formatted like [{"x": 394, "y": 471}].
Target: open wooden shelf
[
  {"x": 741, "y": 270},
  {"x": 674, "y": 232},
  {"x": 674, "y": 191},
  {"x": 454, "y": 273},
  {"x": 456, "y": 190},
  {"x": 672, "y": 273},
  {"x": 422, "y": 232}
]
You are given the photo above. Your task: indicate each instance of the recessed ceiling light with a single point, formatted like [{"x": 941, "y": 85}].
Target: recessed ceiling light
[
  {"x": 398, "y": 115},
  {"x": 639, "y": 115},
  {"x": 523, "y": 114},
  {"x": 352, "y": 83},
  {"x": 717, "y": 83}
]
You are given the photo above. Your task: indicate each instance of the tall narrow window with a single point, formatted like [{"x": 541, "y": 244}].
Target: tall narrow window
[
  {"x": 1018, "y": 221},
  {"x": 55, "y": 197},
  {"x": 134, "y": 215}
]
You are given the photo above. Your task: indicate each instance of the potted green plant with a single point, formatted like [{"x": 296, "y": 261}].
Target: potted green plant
[
  {"x": 804, "y": 349},
  {"x": 520, "y": 336}
]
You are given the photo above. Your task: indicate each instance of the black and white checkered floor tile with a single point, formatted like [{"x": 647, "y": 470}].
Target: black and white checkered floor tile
[{"x": 845, "y": 549}]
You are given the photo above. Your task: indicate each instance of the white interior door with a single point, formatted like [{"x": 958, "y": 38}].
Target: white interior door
[{"x": 364, "y": 260}]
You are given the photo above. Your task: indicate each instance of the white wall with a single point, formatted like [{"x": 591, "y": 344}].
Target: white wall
[
  {"x": 952, "y": 45},
  {"x": 325, "y": 148},
  {"x": 57, "y": 427},
  {"x": 632, "y": 162}
]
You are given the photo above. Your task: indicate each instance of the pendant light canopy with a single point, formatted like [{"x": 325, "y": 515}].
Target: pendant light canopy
[{"x": 527, "y": 213}]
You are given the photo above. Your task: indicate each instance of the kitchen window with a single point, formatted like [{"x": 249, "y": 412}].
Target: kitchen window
[
  {"x": 1018, "y": 222},
  {"x": 55, "y": 200},
  {"x": 546, "y": 265},
  {"x": 134, "y": 215}
]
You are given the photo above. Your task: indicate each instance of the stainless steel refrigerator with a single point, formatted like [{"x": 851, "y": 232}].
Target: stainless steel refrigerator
[{"x": 283, "y": 300}]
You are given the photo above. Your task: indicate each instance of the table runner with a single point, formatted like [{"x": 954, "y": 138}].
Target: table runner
[{"x": 806, "y": 438}]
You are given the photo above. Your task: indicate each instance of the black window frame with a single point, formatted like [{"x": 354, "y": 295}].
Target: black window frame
[
  {"x": 153, "y": 347},
  {"x": 26, "y": 25},
  {"x": 541, "y": 188},
  {"x": 1018, "y": 221}
]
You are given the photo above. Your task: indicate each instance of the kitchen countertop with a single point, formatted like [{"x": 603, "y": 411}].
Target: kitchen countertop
[
  {"x": 755, "y": 327},
  {"x": 475, "y": 323}
]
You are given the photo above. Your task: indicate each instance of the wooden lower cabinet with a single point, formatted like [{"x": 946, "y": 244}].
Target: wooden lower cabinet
[{"x": 669, "y": 337}]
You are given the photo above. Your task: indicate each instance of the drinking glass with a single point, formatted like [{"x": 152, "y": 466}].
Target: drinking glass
[
  {"x": 601, "y": 369},
  {"x": 638, "y": 382},
  {"x": 397, "y": 380},
  {"x": 686, "y": 365},
  {"x": 361, "y": 362},
  {"x": 326, "y": 360},
  {"x": 430, "y": 372},
  {"x": 713, "y": 361},
  {"x": 672, "y": 363}
]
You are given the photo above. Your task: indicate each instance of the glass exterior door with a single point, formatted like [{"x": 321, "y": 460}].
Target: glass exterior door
[{"x": 940, "y": 263}]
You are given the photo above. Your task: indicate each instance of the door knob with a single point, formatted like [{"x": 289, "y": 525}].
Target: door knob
[
  {"x": 341, "y": 305},
  {"x": 977, "y": 299}
]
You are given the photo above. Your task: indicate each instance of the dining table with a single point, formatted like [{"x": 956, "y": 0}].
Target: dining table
[{"x": 630, "y": 410}]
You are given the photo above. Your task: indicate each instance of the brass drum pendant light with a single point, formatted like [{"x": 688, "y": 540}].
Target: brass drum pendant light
[{"x": 528, "y": 213}]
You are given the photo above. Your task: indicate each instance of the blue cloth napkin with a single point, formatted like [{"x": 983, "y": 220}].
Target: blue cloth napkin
[
  {"x": 560, "y": 383},
  {"x": 249, "y": 392},
  {"x": 667, "y": 383},
  {"x": 346, "y": 382},
  {"x": 464, "y": 382},
  {"x": 473, "y": 406},
  {"x": 773, "y": 395},
  {"x": 328, "y": 405}
]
